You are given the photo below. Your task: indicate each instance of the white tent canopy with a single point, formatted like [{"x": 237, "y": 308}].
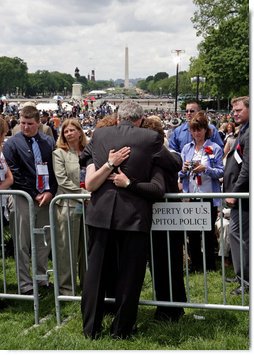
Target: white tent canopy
[
  {"x": 52, "y": 106},
  {"x": 66, "y": 106},
  {"x": 97, "y": 92},
  {"x": 46, "y": 106}
]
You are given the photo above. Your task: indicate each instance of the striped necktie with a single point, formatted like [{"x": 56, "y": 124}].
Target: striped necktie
[{"x": 38, "y": 160}]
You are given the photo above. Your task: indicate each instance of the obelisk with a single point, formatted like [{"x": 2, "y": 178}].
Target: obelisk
[{"x": 126, "y": 81}]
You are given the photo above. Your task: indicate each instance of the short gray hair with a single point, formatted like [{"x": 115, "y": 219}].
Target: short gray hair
[{"x": 130, "y": 111}]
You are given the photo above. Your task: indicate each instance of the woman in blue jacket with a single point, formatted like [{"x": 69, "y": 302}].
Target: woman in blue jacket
[{"x": 202, "y": 169}]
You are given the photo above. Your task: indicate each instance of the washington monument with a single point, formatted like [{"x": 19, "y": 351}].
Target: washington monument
[{"x": 126, "y": 81}]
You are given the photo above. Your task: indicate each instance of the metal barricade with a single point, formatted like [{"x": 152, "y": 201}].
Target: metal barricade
[
  {"x": 244, "y": 306},
  {"x": 192, "y": 302},
  {"x": 5, "y": 292},
  {"x": 53, "y": 221}
]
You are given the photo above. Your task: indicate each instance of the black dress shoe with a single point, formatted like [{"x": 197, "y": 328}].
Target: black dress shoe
[
  {"x": 238, "y": 291},
  {"x": 233, "y": 279},
  {"x": 124, "y": 335},
  {"x": 3, "y": 303},
  {"x": 28, "y": 292},
  {"x": 48, "y": 286},
  {"x": 92, "y": 336},
  {"x": 169, "y": 316}
]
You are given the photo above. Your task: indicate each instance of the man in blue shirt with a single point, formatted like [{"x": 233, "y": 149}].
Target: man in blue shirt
[{"x": 181, "y": 135}]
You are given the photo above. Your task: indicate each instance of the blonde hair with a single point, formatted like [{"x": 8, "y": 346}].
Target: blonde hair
[
  {"x": 244, "y": 99},
  {"x": 61, "y": 141}
]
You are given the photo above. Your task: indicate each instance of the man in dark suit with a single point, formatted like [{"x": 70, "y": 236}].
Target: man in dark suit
[
  {"x": 21, "y": 158},
  {"x": 236, "y": 179},
  {"x": 120, "y": 216}
]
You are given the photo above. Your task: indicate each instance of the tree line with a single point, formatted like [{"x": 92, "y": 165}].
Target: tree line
[
  {"x": 16, "y": 81},
  {"x": 223, "y": 60}
]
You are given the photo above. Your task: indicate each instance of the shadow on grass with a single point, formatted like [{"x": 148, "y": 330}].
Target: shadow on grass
[{"x": 189, "y": 330}]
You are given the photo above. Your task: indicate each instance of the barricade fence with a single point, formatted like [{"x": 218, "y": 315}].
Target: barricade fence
[
  {"x": 185, "y": 218},
  {"x": 9, "y": 289},
  {"x": 168, "y": 216}
]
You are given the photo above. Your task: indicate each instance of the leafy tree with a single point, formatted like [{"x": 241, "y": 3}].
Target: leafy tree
[
  {"x": 142, "y": 84},
  {"x": 149, "y": 78},
  {"x": 151, "y": 87},
  {"x": 211, "y": 13},
  {"x": 47, "y": 83},
  {"x": 224, "y": 52},
  {"x": 160, "y": 76},
  {"x": 13, "y": 74},
  {"x": 227, "y": 58}
]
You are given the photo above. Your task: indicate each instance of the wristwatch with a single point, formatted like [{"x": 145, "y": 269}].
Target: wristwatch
[
  {"x": 128, "y": 183},
  {"x": 110, "y": 164}
]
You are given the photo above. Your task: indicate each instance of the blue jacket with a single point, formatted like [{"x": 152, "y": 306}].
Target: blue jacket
[
  {"x": 215, "y": 168},
  {"x": 181, "y": 136}
]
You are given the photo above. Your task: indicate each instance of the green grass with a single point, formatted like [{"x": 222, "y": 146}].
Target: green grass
[{"x": 219, "y": 330}]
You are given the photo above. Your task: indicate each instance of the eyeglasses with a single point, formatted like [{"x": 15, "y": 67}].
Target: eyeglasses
[{"x": 189, "y": 111}]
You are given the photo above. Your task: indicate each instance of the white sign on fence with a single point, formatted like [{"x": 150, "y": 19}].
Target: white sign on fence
[{"x": 181, "y": 216}]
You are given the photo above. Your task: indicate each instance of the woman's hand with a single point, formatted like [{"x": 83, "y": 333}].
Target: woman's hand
[
  {"x": 199, "y": 169},
  {"x": 120, "y": 179},
  {"x": 186, "y": 166},
  {"x": 117, "y": 157}
]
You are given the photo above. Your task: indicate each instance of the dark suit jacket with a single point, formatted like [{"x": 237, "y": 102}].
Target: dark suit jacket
[
  {"x": 111, "y": 207},
  {"x": 20, "y": 159},
  {"x": 236, "y": 175}
]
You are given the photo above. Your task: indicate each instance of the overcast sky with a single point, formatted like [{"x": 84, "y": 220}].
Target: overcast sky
[{"x": 65, "y": 34}]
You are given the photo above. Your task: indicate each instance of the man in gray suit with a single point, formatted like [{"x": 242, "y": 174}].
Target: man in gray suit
[
  {"x": 119, "y": 216},
  {"x": 236, "y": 179}
]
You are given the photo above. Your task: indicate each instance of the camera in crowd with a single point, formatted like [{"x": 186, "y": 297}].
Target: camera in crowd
[{"x": 193, "y": 164}]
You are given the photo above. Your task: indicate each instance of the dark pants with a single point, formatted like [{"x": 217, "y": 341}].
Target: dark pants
[
  {"x": 162, "y": 276},
  {"x": 210, "y": 243},
  {"x": 235, "y": 244},
  {"x": 131, "y": 256}
]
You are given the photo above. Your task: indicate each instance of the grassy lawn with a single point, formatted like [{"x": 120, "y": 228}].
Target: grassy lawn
[{"x": 199, "y": 329}]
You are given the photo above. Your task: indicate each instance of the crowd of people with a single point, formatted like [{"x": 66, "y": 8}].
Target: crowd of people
[{"x": 46, "y": 155}]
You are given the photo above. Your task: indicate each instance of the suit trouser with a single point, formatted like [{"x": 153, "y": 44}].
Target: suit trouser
[
  {"x": 161, "y": 269},
  {"x": 131, "y": 258},
  {"x": 234, "y": 238},
  {"x": 210, "y": 243},
  {"x": 41, "y": 218}
]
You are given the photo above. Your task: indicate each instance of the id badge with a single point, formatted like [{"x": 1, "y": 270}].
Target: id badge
[
  {"x": 2, "y": 175},
  {"x": 42, "y": 169},
  {"x": 237, "y": 157}
]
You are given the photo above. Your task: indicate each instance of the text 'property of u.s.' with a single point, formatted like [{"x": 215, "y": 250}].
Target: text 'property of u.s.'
[{"x": 181, "y": 216}]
